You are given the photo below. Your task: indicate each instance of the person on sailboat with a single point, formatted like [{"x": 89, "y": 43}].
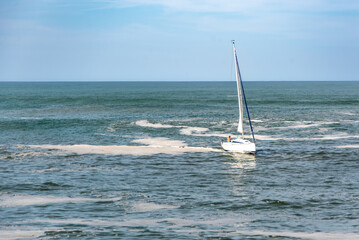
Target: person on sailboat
[{"x": 228, "y": 138}]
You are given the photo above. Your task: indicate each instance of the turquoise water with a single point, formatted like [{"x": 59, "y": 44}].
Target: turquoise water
[{"x": 165, "y": 176}]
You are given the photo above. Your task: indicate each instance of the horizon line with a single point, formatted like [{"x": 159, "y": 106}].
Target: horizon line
[{"x": 167, "y": 81}]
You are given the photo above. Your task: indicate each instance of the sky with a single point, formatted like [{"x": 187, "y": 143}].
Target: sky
[{"x": 178, "y": 40}]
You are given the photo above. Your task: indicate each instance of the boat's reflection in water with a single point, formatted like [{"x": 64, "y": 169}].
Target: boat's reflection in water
[{"x": 242, "y": 161}]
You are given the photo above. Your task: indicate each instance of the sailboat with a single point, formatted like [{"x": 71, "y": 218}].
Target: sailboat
[{"x": 240, "y": 144}]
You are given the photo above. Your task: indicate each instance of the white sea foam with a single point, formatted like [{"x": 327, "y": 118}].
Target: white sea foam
[
  {"x": 184, "y": 130},
  {"x": 79, "y": 169},
  {"x": 123, "y": 150},
  {"x": 336, "y": 136},
  {"x": 161, "y": 142},
  {"x": 195, "y": 119},
  {"x": 28, "y": 200},
  {"x": 296, "y": 125},
  {"x": 145, "y": 123},
  {"x": 324, "y": 137},
  {"x": 351, "y": 121},
  {"x": 204, "y": 132},
  {"x": 156, "y": 146},
  {"x": 200, "y": 132},
  {"x": 111, "y": 128},
  {"x": 267, "y": 138},
  {"x": 315, "y": 235},
  {"x": 29, "y": 153},
  {"x": 260, "y": 128},
  {"x": 348, "y": 146},
  {"x": 257, "y": 120},
  {"x": 300, "y": 125},
  {"x": 143, "y": 221},
  {"x": 348, "y": 113},
  {"x": 150, "y": 206},
  {"x": 180, "y": 222},
  {"x": 193, "y": 130},
  {"x": 46, "y": 170},
  {"x": 12, "y": 234},
  {"x": 90, "y": 222},
  {"x": 31, "y": 118}
]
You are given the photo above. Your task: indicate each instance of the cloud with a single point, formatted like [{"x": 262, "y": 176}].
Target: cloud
[{"x": 292, "y": 18}]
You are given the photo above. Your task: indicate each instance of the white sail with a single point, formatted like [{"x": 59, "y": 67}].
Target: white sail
[{"x": 239, "y": 89}]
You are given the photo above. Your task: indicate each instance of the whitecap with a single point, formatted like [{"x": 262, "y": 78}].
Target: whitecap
[
  {"x": 257, "y": 120},
  {"x": 193, "y": 130},
  {"x": 145, "y": 123}
]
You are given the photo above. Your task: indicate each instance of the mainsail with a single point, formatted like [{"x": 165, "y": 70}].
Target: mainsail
[{"x": 239, "y": 89}]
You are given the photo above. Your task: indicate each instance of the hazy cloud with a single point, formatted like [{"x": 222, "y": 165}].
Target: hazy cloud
[{"x": 243, "y": 5}]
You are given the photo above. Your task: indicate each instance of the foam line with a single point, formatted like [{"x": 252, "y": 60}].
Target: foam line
[
  {"x": 123, "y": 150},
  {"x": 300, "y": 126},
  {"x": 161, "y": 142},
  {"x": 150, "y": 206},
  {"x": 349, "y": 146},
  {"x": 267, "y": 138},
  {"x": 28, "y": 200},
  {"x": 324, "y": 137},
  {"x": 155, "y": 146},
  {"x": 20, "y": 234},
  {"x": 179, "y": 222},
  {"x": 314, "y": 236}
]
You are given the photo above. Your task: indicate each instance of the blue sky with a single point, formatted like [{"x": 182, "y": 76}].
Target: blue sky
[{"x": 178, "y": 40}]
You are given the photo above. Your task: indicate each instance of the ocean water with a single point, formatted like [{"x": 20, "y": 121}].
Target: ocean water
[{"x": 142, "y": 160}]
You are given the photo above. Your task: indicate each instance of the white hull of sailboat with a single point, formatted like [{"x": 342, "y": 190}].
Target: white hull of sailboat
[{"x": 240, "y": 146}]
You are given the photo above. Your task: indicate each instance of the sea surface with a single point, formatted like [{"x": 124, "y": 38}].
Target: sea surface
[{"x": 142, "y": 160}]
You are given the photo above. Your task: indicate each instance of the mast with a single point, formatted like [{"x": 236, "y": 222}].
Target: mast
[{"x": 239, "y": 90}]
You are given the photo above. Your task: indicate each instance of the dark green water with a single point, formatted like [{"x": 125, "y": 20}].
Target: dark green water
[{"x": 302, "y": 184}]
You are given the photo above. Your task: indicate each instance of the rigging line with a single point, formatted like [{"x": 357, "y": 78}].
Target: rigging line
[{"x": 245, "y": 100}]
